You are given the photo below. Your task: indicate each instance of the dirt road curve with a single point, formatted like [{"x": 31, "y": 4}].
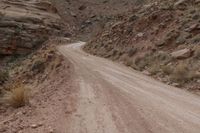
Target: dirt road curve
[{"x": 115, "y": 99}]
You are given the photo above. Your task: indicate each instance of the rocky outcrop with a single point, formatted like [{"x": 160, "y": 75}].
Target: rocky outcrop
[{"x": 26, "y": 24}]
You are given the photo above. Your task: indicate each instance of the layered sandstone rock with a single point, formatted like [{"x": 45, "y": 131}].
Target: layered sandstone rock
[{"x": 26, "y": 24}]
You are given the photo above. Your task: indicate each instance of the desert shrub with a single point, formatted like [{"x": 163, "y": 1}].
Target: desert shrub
[
  {"x": 140, "y": 63},
  {"x": 150, "y": 59},
  {"x": 128, "y": 62},
  {"x": 131, "y": 52},
  {"x": 13, "y": 58},
  {"x": 140, "y": 2},
  {"x": 154, "y": 68},
  {"x": 182, "y": 74},
  {"x": 16, "y": 96},
  {"x": 166, "y": 69},
  {"x": 196, "y": 39},
  {"x": 38, "y": 66},
  {"x": 4, "y": 75},
  {"x": 57, "y": 62},
  {"x": 1, "y": 15},
  {"x": 164, "y": 58},
  {"x": 197, "y": 53}
]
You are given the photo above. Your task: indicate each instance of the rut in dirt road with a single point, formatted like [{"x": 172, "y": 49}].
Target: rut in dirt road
[{"x": 115, "y": 99}]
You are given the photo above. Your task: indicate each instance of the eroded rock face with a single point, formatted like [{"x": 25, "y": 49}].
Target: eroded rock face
[{"x": 26, "y": 24}]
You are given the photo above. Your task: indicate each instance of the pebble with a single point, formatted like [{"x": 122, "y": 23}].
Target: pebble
[
  {"x": 176, "y": 84},
  {"x": 34, "y": 126},
  {"x": 51, "y": 130}
]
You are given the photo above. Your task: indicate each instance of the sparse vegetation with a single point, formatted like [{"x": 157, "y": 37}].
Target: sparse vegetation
[
  {"x": 16, "y": 96},
  {"x": 196, "y": 39},
  {"x": 197, "y": 53},
  {"x": 182, "y": 74},
  {"x": 38, "y": 65},
  {"x": 4, "y": 75},
  {"x": 166, "y": 69},
  {"x": 154, "y": 69},
  {"x": 131, "y": 52},
  {"x": 140, "y": 62},
  {"x": 152, "y": 61}
]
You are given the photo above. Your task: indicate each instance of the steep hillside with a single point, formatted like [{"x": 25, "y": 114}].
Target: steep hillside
[
  {"x": 161, "y": 39},
  {"x": 26, "y": 26},
  {"x": 87, "y": 17}
]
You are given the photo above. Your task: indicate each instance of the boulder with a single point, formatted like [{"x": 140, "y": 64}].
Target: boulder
[
  {"x": 160, "y": 43},
  {"x": 182, "y": 54},
  {"x": 193, "y": 27},
  {"x": 140, "y": 35}
]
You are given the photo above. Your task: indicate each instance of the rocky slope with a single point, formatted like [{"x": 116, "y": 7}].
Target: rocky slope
[
  {"x": 46, "y": 76},
  {"x": 87, "y": 17},
  {"x": 161, "y": 39}
]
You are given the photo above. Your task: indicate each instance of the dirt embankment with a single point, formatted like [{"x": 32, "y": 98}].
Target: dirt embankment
[
  {"x": 47, "y": 81},
  {"x": 161, "y": 39}
]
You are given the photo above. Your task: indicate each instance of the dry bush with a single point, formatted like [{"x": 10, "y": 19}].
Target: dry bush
[
  {"x": 140, "y": 63},
  {"x": 197, "y": 53},
  {"x": 131, "y": 52},
  {"x": 128, "y": 61},
  {"x": 16, "y": 96},
  {"x": 182, "y": 74},
  {"x": 4, "y": 75},
  {"x": 154, "y": 69},
  {"x": 150, "y": 59},
  {"x": 167, "y": 69},
  {"x": 38, "y": 65}
]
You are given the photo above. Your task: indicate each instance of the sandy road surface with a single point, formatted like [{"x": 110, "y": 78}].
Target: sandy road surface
[{"x": 115, "y": 99}]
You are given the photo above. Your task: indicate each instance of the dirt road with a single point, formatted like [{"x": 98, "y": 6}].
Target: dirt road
[{"x": 115, "y": 99}]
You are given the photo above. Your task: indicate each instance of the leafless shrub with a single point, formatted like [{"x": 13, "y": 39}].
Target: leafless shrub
[
  {"x": 140, "y": 62},
  {"x": 154, "y": 69},
  {"x": 197, "y": 53},
  {"x": 131, "y": 52},
  {"x": 16, "y": 96},
  {"x": 182, "y": 74},
  {"x": 4, "y": 75},
  {"x": 166, "y": 69}
]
